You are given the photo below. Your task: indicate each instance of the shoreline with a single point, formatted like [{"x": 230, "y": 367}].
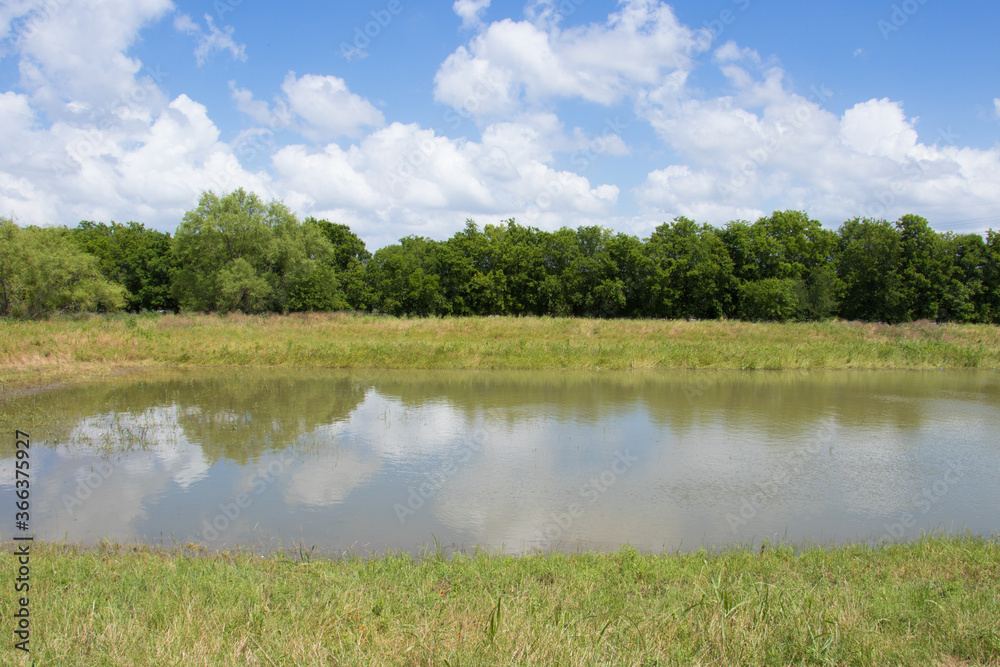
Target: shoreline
[
  {"x": 36, "y": 355},
  {"x": 931, "y": 600}
]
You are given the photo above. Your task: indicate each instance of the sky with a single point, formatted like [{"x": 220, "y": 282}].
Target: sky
[{"x": 407, "y": 117}]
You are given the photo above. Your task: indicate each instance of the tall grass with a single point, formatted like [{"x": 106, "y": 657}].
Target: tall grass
[
  {"x": 36, "y": 352},
  {"x": 932, "y": 602}
]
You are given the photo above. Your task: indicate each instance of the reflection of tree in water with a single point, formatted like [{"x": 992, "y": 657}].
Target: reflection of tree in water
[
  {"x": 513, "y": 396},
  {"x": 783, "y": 403},
  {"x": 239, "y": 414},
  {"x": 242, "y": 415},
  {"x": 780, "y": 403},
  {"x": 230, "y": 413}
]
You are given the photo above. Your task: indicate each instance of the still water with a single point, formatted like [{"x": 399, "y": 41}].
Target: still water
[{"x": 518, "y": 461}]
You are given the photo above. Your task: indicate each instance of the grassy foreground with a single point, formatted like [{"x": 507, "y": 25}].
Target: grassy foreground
[
  {"x": 932, "y": 602},
  {"x": 63, "y": 349}
]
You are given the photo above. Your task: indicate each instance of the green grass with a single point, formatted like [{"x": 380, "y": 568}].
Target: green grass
[
  {"x": 931, "y": 602},
  {"x": 36, "y": 353}
]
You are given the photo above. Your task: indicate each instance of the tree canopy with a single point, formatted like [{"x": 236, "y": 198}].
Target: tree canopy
[{"x": 235, "y": 252}]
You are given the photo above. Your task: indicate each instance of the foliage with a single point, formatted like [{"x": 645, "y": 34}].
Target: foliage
[
  {"x": 43, "y": 272},
  {"x": 236, "y": 253},
  {"x": 404, "y": 279},
  {"x": 691, "y": 273},
  {"x": 348, "y": 261},
  {"x": 769, "y": 299},
  {"x": 137, "y": 258}
]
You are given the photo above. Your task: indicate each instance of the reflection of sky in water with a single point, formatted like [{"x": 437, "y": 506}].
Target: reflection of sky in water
[{"x": 519, "y": 463}]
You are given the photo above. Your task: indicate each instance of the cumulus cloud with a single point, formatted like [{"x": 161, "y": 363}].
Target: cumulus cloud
[
  {"x": 471, "y": 11},
  {"x": 328, "y": 107},
  {"x": 148, "y": 170},
  {"x": 317, "y": 107},
  {"x": 768, "y": 145},
  {"x": 420, "y": 182},
  {"x": 98, "y": 138},
  {"x": 512, "y": 65},
  {"x": 93, "y": 136},
  {"x": 996, "y": 107},
  {"x": 74, "y": 54},
  {"x": 212, "y": 40}
]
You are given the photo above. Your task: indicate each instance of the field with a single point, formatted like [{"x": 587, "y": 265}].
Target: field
[
  {"x": 934, "y": 602},
  {"x": 37, "y": 353}
]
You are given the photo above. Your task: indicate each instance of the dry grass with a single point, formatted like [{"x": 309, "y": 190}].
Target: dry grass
[{"x": 33, "y": 353}]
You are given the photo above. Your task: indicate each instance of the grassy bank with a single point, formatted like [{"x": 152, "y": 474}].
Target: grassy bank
[
  {"x": 33, "y": 353},
  {"x": 933, "y": 602}
]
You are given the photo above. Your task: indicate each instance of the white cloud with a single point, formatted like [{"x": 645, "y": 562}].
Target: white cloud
[
  {"x": 259, "y": 110},
  {"x": 765, "y": 145},
  {"x": 212, "y": 40},
  {"x": 317, "y": 107},
  {"x": 328, "y": 107},
  {"x": 403, "y": 179},
  {"x": 74, "y": 53},
  {"x": 878, "y": 128},
  {"x": 90, "y": 134},
  {"x": 471, "y": 11},
  {"x": 996, "y": 107},
  {"x": 511, "y": 65},
  {"x": 148, "y": 170}
]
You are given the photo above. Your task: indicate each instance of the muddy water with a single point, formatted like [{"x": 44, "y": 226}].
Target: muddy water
[{"x": 517, "y": 461}]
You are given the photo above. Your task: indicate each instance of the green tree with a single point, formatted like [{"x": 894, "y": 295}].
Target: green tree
[
  {"x": 515, "y": 251},
  {"x": 220, "y": 231},
  {"x": 963, "y": 292},
  {"x": 991, "y": 278},
  {"x": 632, "y": 267},
  {"x": 350, "y": 259},
  {"x": 868, "y": 263},
  {"x": 404, "y": 278},
  {"x": 787, "y": 245},
  {"x": 132, "y": 256},
  {"x": 42, "y": 271},
  {"x": 770, "y": 299},
  {"x": 924, "y": 268},
  {"x": 691, "y": 272},
  {"x": 241, "y": 288},
  {"x": 236, "y": 253}
]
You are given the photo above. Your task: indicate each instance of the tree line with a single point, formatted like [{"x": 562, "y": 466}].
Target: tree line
[{"x": 238, "y": 253}]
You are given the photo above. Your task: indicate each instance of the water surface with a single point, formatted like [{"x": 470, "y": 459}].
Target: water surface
[{"x": 372, "y": 461}]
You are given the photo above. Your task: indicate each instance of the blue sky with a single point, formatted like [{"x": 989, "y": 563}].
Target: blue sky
[{"x": 623, "y": 114}]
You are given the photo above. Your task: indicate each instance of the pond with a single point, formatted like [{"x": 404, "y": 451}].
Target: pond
[{"x": 370, "y": 461}]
